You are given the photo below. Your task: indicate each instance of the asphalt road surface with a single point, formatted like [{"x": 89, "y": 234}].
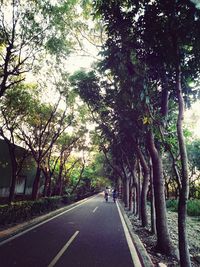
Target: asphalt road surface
[{"x": 88, "y": 235}]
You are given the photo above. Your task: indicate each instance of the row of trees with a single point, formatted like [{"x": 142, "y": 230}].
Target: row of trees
[
  {"x": 137, "y": 94},
  {"x": 38, "y": 110}
]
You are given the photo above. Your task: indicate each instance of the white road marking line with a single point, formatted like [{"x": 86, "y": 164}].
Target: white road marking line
[
  {"x": 45, "y": 221},
  {"x": 131, "y": 246},
  {"x": 95, "y": 209},
  {"x": 61, "y": 252}
]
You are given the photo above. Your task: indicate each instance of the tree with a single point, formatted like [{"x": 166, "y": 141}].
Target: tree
[
  {"x": 13, "y": 110},
  {"x": 177, "y": 56},
  {"x": 28, "y": 29},
  {"x": 56, "y": 160},
  {"x": 124, "y": 60},
  {"x": 45, "y": 124},
  {"x": 134, "y": 41}
]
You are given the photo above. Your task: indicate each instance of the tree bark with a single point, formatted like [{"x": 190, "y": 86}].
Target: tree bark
[
  {"x": 153, "y": 216},
  {"x": 14, "y": 173},
  {"x": 131, "y": 195},
  {"x": 79, "y": 179},
  {"x": 145, "y": 169},
  {"x": 59, "y": 181},
  {"x": 138, "y": 193},
  {"x": 126, "y": 192},
  {"x": 49, "y": 190},
  {"x": 36, "y": 183},
  {"x": 47, "y": 179},
  {"x": 135, "y": 200},
  {"x": 184, "y": 190},
  {"x": 163, "y": 239}
]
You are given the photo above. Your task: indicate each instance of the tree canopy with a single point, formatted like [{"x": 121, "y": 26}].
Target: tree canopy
[{"x": 122, "y": 122}]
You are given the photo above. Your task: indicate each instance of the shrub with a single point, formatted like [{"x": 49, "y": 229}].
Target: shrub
[
  {"x": 26, "y": 209},
  {"x": 68, "y": 199},
  {"x": 172, "y": 204},
  {"x": 193, "y": 206},
  {"x": 22, "y": 210}
]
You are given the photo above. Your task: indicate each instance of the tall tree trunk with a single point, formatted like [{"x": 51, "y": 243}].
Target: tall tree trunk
[
  {"x": 153, "y": 215},
  {"x": 135, "y": 187},
  {"x": 144, "y": 191},
  {"x": 135, "y": 199},
  {"x": 46, "y": 184},
  {"x": 49, "y": 190},
  {"x": 14, "y": 173},
  {"x": 163, "y": 239},
  {"x": 59, "y": 181},
  {"x": 36, "y": 183},
  {"x": 120, "y": 187},
  {"x": 184, "y": 187},
  {"x": 139, "y": 192},
  {"x": 126, "y": 192},
  {"x": 79, "y": 179},
  {"x": 131, "y": 195}
]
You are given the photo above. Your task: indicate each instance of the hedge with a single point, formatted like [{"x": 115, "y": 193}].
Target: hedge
[{"x": 23, "y": 210}]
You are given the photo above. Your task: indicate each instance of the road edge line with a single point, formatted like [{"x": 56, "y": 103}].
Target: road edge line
[
  {"x": 133, "y": 252},
  {"x": 141, "y": 251},
  {"x": 43, "y": 221}
]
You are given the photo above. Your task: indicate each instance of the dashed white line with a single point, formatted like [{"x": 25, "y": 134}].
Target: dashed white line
[
  {"x": 95, "y": 209},
  {"x": 61, "y": 252}
]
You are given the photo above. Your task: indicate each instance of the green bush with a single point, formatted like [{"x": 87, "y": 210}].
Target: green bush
[
  {"x": 26, "y": 209},
  {"x": 22, "y": 210},
  {"x": 172, "y": 204},
  {"x": 68, "y": 199},
  {"x": 193, "y": 206}
]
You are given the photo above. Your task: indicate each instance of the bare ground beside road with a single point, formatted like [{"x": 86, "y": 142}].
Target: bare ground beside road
[{"x": 149, "y": 240}]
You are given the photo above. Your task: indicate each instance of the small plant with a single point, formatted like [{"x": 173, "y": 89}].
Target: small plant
[
  {"x": 193, "y": 207},
  {"x": 172, "y": 204}
]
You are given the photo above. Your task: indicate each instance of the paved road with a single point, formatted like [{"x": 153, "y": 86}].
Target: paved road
[{"x": 88, "y": 235}]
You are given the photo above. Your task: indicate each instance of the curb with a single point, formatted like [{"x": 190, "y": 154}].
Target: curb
[
  {"x": 14, "y": 230},
  {"x": 141, "y": 251}
]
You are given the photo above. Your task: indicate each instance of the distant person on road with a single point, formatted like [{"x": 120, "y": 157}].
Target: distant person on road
[
  {"x": 114, "y": 194},
  {"x": 106, "y": 191}
]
